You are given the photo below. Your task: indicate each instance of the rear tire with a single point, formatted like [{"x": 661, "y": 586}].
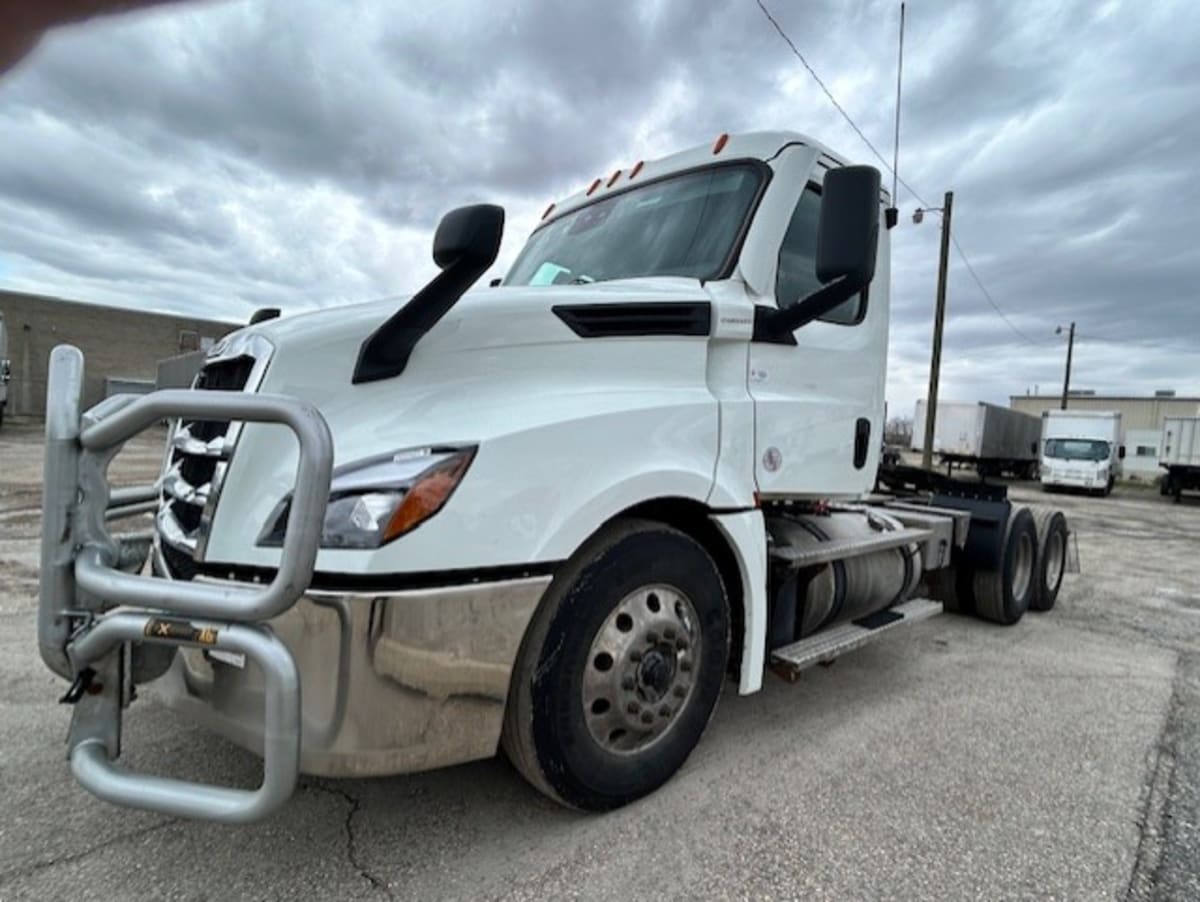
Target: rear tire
[
  {"x": 1052, "y": 538},
  {"x": 620, "y": 669},
  {"x": 1003, "y": 595}
]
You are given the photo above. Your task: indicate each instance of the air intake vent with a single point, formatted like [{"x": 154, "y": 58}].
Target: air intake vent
[{"x": 639, "y": 318}]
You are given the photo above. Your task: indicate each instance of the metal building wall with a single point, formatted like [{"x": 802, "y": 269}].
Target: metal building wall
[{"x": 117, "y": 343}]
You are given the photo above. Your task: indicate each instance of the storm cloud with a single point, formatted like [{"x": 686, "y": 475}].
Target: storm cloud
[{"x": 218, "y": 157}]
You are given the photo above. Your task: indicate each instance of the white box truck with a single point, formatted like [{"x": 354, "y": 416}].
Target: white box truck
[
  {"x": 552, "y": 517},
  {"x": 992, "y": 439},
  {"x": 1081, "y": 449},
  {"x": 1180, "y": 456}
]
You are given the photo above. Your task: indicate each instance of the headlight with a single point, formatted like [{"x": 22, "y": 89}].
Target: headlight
[{"x": 373, "y": 501}]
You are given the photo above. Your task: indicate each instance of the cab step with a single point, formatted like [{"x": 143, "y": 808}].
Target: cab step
[{"x": 829, "y": 644}]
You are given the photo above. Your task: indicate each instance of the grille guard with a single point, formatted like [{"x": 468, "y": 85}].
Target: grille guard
[{"x": 84, "y": 575}]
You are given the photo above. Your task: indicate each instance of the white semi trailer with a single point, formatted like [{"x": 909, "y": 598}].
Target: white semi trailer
[
  {"x": 1180, "y": 456},
  {"x": 5, "y": 368},
  {"x": 550, "y": 516},
  {"x": 993, "y": 440}
]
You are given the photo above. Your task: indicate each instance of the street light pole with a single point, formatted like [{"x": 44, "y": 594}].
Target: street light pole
[
  {"x": 1067, "y": 374},
  {"x": 935, "y": 363}
]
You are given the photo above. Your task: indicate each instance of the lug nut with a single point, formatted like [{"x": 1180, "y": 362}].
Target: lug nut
[
  {"x": 627, "y": 683},
  {"x": 633, "y": 707},
  {"x": 635, "y": 656},
  {"x": 664, "y": 711},
  {"x": 681, "y": 643},
  {"x": 680, "y": 691},
  {"x": 652, "y": 637},
  {"x": 669, "y": 634},
  {"x": 647, "y": 717},
  {"x": 685, "y": 665}
]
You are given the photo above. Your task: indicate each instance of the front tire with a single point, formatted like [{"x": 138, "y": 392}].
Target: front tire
[{"x": 621, "y": 668}]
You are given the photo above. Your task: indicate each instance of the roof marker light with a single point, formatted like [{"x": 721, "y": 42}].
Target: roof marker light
[
  {"x": 591, "y": 190},
  {"x": 720, "y": 143},
  {"x": 637, "y": 168},
  {"x": 549, "y": 210},
  {"x": 616, "y": 175}
]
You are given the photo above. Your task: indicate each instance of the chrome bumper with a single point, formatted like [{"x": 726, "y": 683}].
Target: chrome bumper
[{"x": 390, "y": 682}]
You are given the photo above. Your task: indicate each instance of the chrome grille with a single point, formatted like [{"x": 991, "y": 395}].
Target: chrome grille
[
  {"x": 198, "y": 454},
  {"x": 195, "y": 453}
]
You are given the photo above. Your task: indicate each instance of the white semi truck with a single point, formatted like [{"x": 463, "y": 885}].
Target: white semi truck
[
  {"x": 550, "y": 516},
  {"x": 1081, "y": 449}
]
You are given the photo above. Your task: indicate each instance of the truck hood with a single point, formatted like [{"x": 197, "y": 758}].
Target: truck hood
[
  {"x": 501, "y": 370},
  {"x": 482, "y": 318}
]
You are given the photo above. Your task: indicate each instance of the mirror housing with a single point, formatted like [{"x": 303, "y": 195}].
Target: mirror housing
[
  {"x": 847, "y": 243},
  {"x": 262, "y": 314},
  {"x": 1121, "y": 453},
  {"x": 465, "y": 245}
]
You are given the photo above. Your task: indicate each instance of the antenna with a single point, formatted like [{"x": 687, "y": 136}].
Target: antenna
[{"x": 896, "y": 139}]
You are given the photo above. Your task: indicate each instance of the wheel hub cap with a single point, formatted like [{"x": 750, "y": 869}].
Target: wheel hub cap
[{"x": 640, "y": 670}]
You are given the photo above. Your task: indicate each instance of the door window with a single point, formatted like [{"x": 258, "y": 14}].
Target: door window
[{"x": 797, "y": 273}]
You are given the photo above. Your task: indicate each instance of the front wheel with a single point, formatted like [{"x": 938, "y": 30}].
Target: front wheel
[{"x": 621, "y": 668}]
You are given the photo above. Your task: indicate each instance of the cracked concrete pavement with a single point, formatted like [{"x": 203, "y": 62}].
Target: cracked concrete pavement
[{"x": 1056, "y": 759}]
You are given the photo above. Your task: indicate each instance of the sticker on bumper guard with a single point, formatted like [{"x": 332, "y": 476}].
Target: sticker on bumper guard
[{"x": 180, "y": 631}]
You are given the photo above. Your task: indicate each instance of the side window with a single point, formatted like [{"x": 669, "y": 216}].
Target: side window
[{"x": 797, "y": 275}]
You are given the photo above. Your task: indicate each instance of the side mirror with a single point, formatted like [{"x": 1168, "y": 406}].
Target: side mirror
[
  {"x": 847, "y": 241},
  {"x": 469, "y": 238},
  {"x": 1121, "y": 453},
  {"x": 465, "y": 245},
  {"x": 262, "y": 314}
]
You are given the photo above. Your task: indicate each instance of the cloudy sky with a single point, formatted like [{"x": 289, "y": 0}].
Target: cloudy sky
[{"x": 220, "y": 156}]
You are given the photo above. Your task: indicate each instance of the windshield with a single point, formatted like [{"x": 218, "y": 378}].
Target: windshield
[
  {"x": 1076, "y": 449},
  {"x": 686, "y": 225}
]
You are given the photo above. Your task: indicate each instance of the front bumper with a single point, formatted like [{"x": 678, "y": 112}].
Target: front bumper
[
  {"x": 1073, "y": 480},
  {"x": 390, "y": 682}
]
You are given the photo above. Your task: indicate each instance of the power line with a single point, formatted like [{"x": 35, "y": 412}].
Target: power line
[
  {"x": 986, "y": 293},
  {"x": 858, "y": 131}
]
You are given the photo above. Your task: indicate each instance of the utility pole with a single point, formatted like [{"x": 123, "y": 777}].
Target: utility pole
[
  {"x": 935, "y": 364},
  {"x": 1067, "y": 375}
]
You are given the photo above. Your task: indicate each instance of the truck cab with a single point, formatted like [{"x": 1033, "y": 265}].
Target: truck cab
[
  {"x": 550, "y": 515},
  {"x": 1081, "y": 449}
]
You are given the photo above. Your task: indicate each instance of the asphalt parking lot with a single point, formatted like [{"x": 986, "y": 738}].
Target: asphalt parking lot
[{"x": 1059, "y": 758}]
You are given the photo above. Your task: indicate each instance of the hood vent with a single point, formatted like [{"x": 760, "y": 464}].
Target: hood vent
[{"x": 625, "y": 320}]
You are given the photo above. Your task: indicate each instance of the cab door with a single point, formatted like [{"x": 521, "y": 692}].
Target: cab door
[{"x": 819, "y": 401}]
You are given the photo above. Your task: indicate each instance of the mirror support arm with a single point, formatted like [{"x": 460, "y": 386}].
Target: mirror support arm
[{"x": 775, "y": 323}]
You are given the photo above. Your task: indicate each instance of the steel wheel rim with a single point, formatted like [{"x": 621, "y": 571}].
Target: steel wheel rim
[
  {"x": 639, "y": 675},
  {"x": 1023, "y": 566},
  {"x": 1055, "y": 555}
]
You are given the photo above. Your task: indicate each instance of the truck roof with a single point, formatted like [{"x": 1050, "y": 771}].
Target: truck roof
[
  {"x": 748, "y": 145},
  {"x": 1098, "y": 414}
]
